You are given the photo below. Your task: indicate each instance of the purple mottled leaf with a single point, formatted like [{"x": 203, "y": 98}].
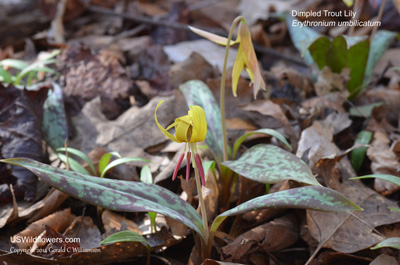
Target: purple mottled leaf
[
  {"x": 271, "y": 164},
  {"x": 309, "y": 197},
  {"x": 117, "y": 195},
  {"x": 54, "y": 124}
]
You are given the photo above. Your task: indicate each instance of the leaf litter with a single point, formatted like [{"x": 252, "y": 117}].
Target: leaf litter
[{"x": 114, "y": 69}]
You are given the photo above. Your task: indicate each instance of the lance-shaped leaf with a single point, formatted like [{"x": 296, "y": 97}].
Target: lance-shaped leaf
[
  {"x": 392, "y": 179},
  {"x": 270, "y": 164},
  {"x": 311, "y": 197},
  {"x": 113, "y": 194},
  {"x": 358, "y": 154},
  {"x": 126, "y": 236},
  {"x": 198, "y": 93},
  {"x": 393, "y": 242}
]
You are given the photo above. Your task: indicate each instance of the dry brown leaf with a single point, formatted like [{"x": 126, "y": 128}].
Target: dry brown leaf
[
  {"x": 59, "y": 221},
  {"x": 337, "y": 122},
  {"x": 194, "y": 67},
  {"x": 384, "y": 259},
  {"x": 9, "y": 211},
  {"x": 350, "y": 232},
  {"x": 296, "y": 79},
  {"x": 113, "y": 221},
  {"x": 240, "y": 124},
  {"x": 133, "y": 132},
  {"x": 188, "y": 188},
  {"x": 329, "y": 81},
  {"x": 316, "y": 142},
  {"x": 259, "y": 36},
  {"x": 317, "y": 105},
  {"x": 268, "y": 108},
  {"x": 212, "y": 52},
  {"x": 390, "y": 97},
  {"x": 270, "y": 237},
  {"x": 384, "y": 161},
  {"x": 151, "y": 9},
  {"x": 48, "y": 204},
  {"x": 254, "y": 10},
  {"x": 390, "y": 57},
  {"x": 86, "y": 77},
  {"x": 216, "y": 262},
  {"x": 84, "y": 229},
  {"x": 211, "y": 198}
]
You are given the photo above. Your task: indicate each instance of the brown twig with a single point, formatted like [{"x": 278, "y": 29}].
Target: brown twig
[
  {"x": 379, "y": 19},
  {"x": 355, "y": 9}
]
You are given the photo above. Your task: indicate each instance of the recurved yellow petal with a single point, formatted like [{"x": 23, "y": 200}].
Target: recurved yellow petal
[
  {"x": 182, "y": 128},
  {"x": 199, "y": 124},
  {"x": 250, "y": 58},
  {"x": 237, "y": 70},
  {"x": 213, "y": 37},
  {"x": 162, "y": 129}
]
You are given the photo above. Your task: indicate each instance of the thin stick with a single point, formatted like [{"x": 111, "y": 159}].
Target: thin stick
[
  {"x": 351, "y": 31},
  {"x": 222, "y": 89},
  {"x": 378, "y": 19}
]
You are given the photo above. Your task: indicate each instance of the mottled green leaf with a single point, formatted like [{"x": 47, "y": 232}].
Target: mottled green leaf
[
  {"x": 358, "y": 154},
  {"x": 54, "y": 123},
  {"x": 364, "y": 111},
  {"x": 379, "y": 45},
  {"x": 310, "y": 197},
  {"x": 270, "y": 132},
  {"x": 198, "y": 93},
  {"x": 120, "y": 161},
  {"x": 126, "y": 236},
  {"x": 79, "y": 154},
  {"x": 392, "y": 179},
  {"x": 116, "y": 195},
  {"x": 393, "y": 242},
  {"x": 301, "y": 37},
  {"x": 271, "y": 164}
]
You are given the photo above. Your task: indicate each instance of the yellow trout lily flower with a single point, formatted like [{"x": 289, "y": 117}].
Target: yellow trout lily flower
[
  {"x": 191, "y": 128},
  {"x": 246, "y": 57}
]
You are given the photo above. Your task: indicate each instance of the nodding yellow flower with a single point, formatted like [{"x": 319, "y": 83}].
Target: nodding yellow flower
[
  {"x": 246, "y": 57},
  {"x": 191, "y": 128}
]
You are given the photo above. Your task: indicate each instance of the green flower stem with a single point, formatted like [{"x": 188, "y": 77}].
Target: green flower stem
[
  {"x": 225, "y": 172},
  {"x": 201, "y": 200},
  {"x": 222, "y": 97}
]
